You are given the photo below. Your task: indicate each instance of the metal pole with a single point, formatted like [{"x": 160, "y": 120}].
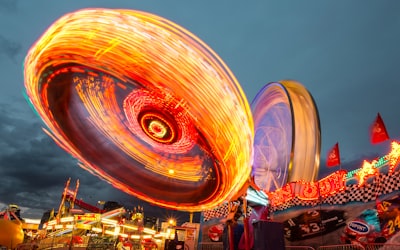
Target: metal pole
[
  {"x": 246, "y": 225},
  {"x": 230, "y": 230},
  {"x": 230, "y": 236},
  {"x": 72, "y": 234}
]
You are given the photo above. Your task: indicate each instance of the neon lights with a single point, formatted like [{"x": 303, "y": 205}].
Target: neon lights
[
  {"x": 368, "y": 169},
  {"x": 392, "y": 159},
  {"x": 352, "y": 173},
  {"x": 394, "y": 156},
  {"x": 336, "y": 182},
  {"x": 381, "y": 161},
  {"x": 88, "y": 217},
  {"x": 281, "y": 195},
  {"x": 309, "y": 190}
]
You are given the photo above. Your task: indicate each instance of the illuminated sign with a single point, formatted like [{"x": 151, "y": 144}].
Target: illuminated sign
[
  {"x": 309, "y": 190},
  {"x": 88, "y": 217},
  {"x": 281, "y": 195},
  {"x": 335, "y": 182}
]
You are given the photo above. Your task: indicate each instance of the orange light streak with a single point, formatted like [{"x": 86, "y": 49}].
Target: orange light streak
[
  {"x": 394, "y": 156},
  {"x": 83, "y": 68},
  {"x": 368, "y": 169}
]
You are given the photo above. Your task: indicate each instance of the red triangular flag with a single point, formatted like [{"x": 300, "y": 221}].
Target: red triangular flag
[
  {"x": 378, "y": 131},
  {"x": 333, "y": 158}
]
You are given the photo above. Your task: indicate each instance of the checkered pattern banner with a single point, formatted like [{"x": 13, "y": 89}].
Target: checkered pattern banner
[
  {"x": 220, "y": 212},
  {"x": 381, "y": 185}
]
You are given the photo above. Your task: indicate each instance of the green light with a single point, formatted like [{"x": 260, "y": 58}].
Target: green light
[
  {"x": 378, "y": 164},
  {"x": 381, "y": 162}
]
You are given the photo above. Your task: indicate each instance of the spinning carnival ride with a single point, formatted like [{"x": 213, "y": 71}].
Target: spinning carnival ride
[
  {"x": 150, "y": 108},
  {"x": 287, "y": 135}
]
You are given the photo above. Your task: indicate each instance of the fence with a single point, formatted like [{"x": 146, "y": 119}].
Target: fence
[
  {"x": 211, "y": 246},
  {"x": 219, "y": 246},
  {"x": 299, "y": 248},
  {"x": 382, "y": 246},
  {"x": 341, "y": 247},
  {"x": 371, "y": 246}
]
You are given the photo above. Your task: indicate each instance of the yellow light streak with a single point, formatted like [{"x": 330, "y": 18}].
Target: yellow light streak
[{"x": 142, "y": 51}]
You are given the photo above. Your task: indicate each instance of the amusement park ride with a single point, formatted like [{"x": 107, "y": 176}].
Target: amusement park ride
[
  {"x": 11, "y": 233},
  {"x": 151, "y": 109},
  {"x": 112, "y": 220},
  {"x": 79, "y": 225}
]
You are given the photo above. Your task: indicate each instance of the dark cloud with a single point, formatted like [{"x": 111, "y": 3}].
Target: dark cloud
[
  {"x": 7, "y": 6},
  {"x": 346, "y": 54},
  {"x": 31, "y": 166},
  {"x": 9, "y": 48},
  {"x": 34, "y": 170}
]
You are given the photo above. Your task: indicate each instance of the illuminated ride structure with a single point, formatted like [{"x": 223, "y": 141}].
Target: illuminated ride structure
[
  {"x": 379, "y": 170},
  {"x": 94, "y": 227},
  {"x": 11, "y": 231},
  {"x": 147, "y": 106},
  {"x": 287, "y": 135}
]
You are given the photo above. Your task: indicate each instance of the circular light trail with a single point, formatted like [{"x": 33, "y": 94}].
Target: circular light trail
[
  {"x": 143, "y": 104},
  {"x": 287, "y": 135}
]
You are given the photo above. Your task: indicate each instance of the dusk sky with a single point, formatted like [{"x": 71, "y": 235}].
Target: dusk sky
[{"x": 346, "y": 53}]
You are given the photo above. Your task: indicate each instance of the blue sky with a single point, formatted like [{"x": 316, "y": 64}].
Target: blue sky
[{"x": 344, "y": 52}]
